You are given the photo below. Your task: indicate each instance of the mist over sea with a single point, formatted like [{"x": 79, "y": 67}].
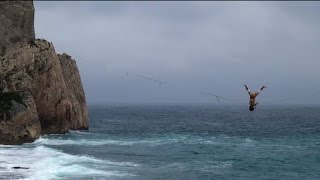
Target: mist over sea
[{"x": 137, "y": 142}]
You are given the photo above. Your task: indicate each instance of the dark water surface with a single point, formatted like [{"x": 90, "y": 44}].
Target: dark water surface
[{"x": 177, "y": 142}]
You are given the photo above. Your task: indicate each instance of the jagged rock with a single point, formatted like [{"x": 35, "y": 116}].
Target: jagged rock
[
  {"x": 18, "y": 167},
  {"x": 78, "y": 113},
  {"x": 19, "y": 121},
  {"x": 29, "y": 64},
  {"x": 54, "y": 82}
]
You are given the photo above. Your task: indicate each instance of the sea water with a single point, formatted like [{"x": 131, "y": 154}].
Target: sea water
[{"x": 176, "y": 142}]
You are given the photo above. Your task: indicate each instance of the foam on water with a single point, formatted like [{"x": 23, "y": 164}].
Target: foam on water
[
  {"x": 41, "y": 162},
  {"x": 215, "y": 165},
  {"x": 150, "y": 141},
  {"x": 174, "y": 143}
]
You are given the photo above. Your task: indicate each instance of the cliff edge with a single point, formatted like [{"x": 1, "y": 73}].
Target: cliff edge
[{"x": 40, "y": 91}]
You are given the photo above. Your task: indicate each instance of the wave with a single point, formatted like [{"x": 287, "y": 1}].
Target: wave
[
  {"x": 41, "y": 162},
  {"x": 215, "y": 165},
  {"x": 84, "y": 132},
  {"x": 157, "y": 140},
  {"x": 205, "y": 166}
]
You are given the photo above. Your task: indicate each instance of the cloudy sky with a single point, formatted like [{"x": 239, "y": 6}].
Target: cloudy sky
[{"x": 214, "y": 47}]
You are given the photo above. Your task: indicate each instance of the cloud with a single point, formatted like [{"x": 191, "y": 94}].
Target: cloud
[{"x": 212, "y": 45}]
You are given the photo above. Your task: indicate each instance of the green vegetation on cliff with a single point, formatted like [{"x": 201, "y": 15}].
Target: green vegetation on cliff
[{"x": 6, "y": 102}]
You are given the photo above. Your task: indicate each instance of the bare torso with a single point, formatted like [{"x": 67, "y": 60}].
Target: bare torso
[{"x": 253, "y": 95}]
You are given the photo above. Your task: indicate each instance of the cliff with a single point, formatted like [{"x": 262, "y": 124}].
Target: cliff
[
  {"x": 16, "y": 20},
  {"x": 79, "y": 114},
  {"x": 47, "y": 85},
  {"x": 19, "y": 121}
]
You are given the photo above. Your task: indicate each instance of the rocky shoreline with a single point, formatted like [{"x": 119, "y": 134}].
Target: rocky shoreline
[{"x": 40, "y": 91}]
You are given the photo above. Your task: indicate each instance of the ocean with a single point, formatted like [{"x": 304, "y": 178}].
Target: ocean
[{"x": 178, "y": 142}]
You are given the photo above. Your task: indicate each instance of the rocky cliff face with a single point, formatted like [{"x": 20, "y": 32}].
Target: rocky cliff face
[
  {"x": 16, "y": 19},
  {"x": 79, "y": 113},
  {"x": 19, "y": 121},
  {"x": 32, "y": 65}
]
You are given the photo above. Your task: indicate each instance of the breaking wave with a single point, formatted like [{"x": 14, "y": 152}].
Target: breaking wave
[{"x": 34, "y": 161}]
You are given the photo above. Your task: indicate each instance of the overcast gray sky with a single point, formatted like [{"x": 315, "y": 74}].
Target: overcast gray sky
[{"x": 193, "y": 46}]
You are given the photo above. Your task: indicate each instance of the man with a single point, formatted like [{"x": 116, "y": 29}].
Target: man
[{"x": 253, "y": 95}]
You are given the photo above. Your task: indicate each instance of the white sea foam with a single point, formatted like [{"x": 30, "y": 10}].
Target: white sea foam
[
  {"x": 152, "y": 141},
  {"x": 215, "y": 165},
  {"x": 80, "y": 132},
  {"x": 88, "y": 142},
  {"x": 41, "y": 162},
  {"x": 205, "y": 166}
]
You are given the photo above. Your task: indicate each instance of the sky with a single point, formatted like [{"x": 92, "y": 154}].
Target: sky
[{"x": 194, "y": 47}]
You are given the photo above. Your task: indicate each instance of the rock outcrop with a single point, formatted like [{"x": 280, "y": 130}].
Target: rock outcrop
[
  {"x": 79, "y": 113},
  {"x": 32, "y": 65},
  {"x": 19, "y": 121}
]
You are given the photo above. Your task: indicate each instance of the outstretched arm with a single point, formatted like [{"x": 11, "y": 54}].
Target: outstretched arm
[
  {"x": 262, "y": 88},
  {"x": 247, "y": 88}
]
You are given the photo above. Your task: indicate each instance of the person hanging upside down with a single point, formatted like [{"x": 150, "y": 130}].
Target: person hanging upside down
[{"x": 253, "y": 95}]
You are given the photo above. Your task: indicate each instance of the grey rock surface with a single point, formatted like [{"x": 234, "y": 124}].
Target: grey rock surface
[
  {"x": 17, "y": 23},
  {"x": 19, "y": 122},
  {"x": 32, "y": 65}
]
